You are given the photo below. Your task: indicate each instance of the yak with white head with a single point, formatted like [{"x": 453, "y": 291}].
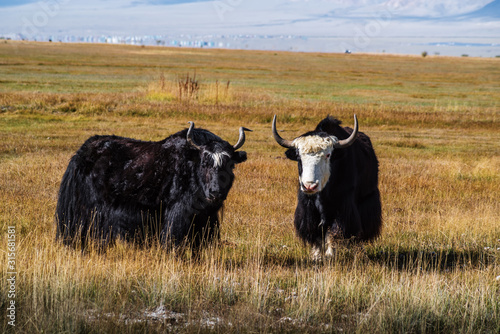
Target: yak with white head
[
  {"x": 313, "y": 152},
  {"x": 338, "y": 193}
]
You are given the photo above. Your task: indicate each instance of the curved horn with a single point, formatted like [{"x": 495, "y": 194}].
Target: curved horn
[
  {"x": 348, "y": 142},
  {"x": 283, "y": 142},
  {"x": 189, "y": 136},
  {"x": 241, "y": 140}
]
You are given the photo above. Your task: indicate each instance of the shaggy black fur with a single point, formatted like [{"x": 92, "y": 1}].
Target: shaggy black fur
[
  {"x": 349, "y": 206},
  {"x": 170, "y": 190}
]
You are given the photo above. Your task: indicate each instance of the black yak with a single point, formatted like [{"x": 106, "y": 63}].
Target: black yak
[
  {"x": 171, "y": 190},
  {"x": 338, "y": 193}
]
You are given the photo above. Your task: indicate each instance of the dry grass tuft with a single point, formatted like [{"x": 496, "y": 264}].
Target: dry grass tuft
[{"x": 188, "y": 89}]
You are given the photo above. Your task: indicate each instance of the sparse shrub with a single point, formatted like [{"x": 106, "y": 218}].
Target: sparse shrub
[
  {"x": 189, "y": 87},
  {"x": 424, "y": 54}
]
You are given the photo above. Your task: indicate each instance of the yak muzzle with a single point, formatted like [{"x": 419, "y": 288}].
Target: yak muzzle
[{"x": 309, "y": 188}]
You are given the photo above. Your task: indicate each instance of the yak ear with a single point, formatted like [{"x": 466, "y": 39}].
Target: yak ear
[
  {"x": 239, "y": 157},
  {"x": 291, "y": 154}
]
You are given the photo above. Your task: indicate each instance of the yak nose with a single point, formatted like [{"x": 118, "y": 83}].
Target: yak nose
[
  {"x": 311, "y": 186},
  {"x": 215, "y": 196}
]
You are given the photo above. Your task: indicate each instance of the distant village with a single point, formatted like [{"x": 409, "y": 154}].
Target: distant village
[
  {"x": 208, "y": 41},
  {"x": 415, "y": 46}
]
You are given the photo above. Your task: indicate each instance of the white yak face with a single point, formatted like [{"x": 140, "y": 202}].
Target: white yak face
[{"x": 314, "y": 162}]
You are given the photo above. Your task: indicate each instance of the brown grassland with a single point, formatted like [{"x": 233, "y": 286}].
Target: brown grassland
[{"x": 435, "y": 126}]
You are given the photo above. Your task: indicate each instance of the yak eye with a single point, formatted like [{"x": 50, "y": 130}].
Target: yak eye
[{"x": 328, "y": 155}]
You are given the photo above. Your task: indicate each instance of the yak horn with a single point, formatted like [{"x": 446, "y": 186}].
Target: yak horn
[
  {"x": 241, "y": 140},
  {"x": 348, "y": 142},
  {"x": 283, "y": 142},
  {"x": 189, "y": 136}
]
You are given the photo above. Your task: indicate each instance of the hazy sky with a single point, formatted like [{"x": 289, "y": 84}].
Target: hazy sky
[
  {"x": 222, "y": 16},
  {"x": 355, "y": 19}
]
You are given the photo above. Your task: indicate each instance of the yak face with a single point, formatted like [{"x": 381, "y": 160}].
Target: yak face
[
  {"x": 216, "y": 161},
  {"x": 313, "y": 155},
  {"x": 216, "y": 171},
  {"x": 313, "y": 151}
]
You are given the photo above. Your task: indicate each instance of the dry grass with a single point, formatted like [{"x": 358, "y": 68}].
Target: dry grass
[{"x": 434, "y": 269}]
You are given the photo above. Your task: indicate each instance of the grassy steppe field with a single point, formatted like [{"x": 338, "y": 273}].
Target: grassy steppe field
[{"x": 435, "y": 126}]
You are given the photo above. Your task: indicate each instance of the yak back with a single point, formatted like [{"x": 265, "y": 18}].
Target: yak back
[
  {"x": 329, "y": 126},
  {"x": 332, "y": 126}
]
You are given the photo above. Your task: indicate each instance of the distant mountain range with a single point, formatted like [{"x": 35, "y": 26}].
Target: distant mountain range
[
  {"x": 440, "y": 8},
  {"x": 408, "y": 8},
  {"x": 302, "y": 25},
  {"x": 490, "y": 10}
]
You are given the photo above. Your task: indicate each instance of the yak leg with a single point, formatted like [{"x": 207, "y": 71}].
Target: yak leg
[
  {"x": 329, "y": 245},
  {"x": 334, "y": 233},
  {"x": 318, "y": 247},
  {"x": 205, "y": 230},
  {"x": 316, "y": 252}
]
